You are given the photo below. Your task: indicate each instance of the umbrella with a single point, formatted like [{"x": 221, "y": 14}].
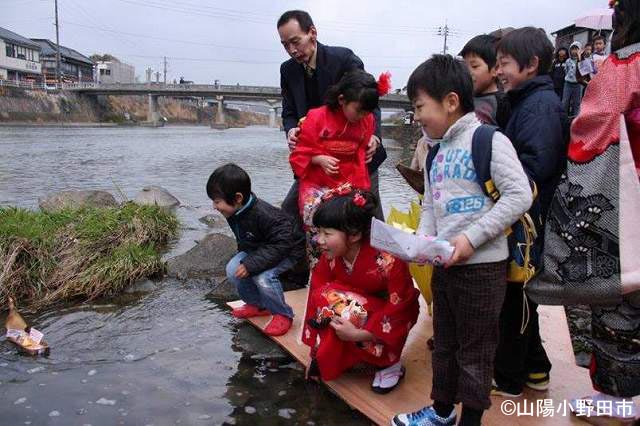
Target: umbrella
[{"x": 599, "y": 19}]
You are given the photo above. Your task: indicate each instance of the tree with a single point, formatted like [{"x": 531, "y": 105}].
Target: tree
[{"x": 96, "y": 57}]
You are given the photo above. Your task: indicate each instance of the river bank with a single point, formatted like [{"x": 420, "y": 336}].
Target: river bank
[{"x": 20, "y": 107}]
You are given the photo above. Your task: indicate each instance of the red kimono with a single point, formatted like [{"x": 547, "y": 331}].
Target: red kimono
[
  {"x": 327, "y": 132},
  {"x": 377, "y": 295}
]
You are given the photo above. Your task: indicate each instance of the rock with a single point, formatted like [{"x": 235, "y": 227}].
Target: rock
[
  {"x": 225, "y": 291},
  {"x": 91, "y": 373},
  {"x": 211, "y": 219},
  {"x": 207, "y": 260},
  {"x": 54, "y": 413},
  {"x": 142, "y": 286},
  {"x": 77, "y": 199},
  {"x": 156, "y": 196},
  {"x": 20, "y": 401},
  {"x": 249, "y": 409}
]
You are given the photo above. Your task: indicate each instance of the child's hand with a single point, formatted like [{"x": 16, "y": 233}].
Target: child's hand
[
  {"x": 328, "y": 163},
  {"x": 462, "y": 250},
  {"x": 348, "y": 332},
  {"x": 242, "y": 272}
]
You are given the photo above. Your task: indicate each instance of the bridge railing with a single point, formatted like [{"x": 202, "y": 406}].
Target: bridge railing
[{"x": 28, "y": 85}]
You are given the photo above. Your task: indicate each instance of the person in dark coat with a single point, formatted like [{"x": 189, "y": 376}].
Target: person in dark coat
[
  {"x": 558, "y": 70},
  {"x": 305, "y": 79},
  {"x": 268, "y": 244},
  {"x": 538, "y": 130}
]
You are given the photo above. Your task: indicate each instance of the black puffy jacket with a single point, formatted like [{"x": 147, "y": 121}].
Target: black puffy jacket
[
  {"x": 267, "y": 235},
  {"x": 538, "y": 129}
]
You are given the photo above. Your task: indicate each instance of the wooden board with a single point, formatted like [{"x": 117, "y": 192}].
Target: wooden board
[{"x": 568, "y": 381}]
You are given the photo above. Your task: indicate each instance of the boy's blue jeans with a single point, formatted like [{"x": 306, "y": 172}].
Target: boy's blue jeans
[{"x": 263, "y": 290}]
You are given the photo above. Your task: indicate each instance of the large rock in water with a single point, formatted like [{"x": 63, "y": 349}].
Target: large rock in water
[
  {"x": 205, "y": 261},
  {"x": 77, "y": 199},
  {"x": 156, "y": 196}
]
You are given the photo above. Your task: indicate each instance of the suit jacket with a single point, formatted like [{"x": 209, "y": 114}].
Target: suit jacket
[{"x": 332, "y": 63}]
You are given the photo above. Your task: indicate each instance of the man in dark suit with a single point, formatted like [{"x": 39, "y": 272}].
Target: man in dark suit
[{"x": 305, "y": 79}]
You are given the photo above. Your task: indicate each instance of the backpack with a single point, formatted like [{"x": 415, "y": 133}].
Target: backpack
[{"x": 524, "y": 253}]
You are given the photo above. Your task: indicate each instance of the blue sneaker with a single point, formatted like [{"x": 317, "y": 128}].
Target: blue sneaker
[{"x": 426, "y": 416}]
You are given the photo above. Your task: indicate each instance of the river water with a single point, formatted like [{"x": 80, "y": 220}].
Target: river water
[{"x": 173, "y": 355}]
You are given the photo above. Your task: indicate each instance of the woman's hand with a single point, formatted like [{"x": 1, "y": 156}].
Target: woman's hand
[
  {"x": 329, "y": 164},
  {"x": 346, "y": 331}
]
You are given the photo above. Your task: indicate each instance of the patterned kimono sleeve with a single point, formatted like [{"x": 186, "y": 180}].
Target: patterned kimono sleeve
[
  {"x": 308, "y": 145},
  {"x": 392, "y": 323},
  {"x": 320, "y": 275}
]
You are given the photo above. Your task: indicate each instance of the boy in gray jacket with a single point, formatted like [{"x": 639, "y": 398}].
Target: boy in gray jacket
[{"x": 468, "y": 291}]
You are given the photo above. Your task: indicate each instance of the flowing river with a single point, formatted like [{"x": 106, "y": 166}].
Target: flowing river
[{"x": 173, "y": 355}]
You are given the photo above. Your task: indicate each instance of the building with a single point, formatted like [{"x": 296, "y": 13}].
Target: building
[
  {"x": 115, "y": 72},
  {"x": 19, "y": 58},
  {"x": 74, "y": 66},
  {"x": 567, "y": 35}
]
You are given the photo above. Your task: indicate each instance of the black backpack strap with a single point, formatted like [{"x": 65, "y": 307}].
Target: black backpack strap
[
  {"x": 481, "y": 146},
  {"x": 433, "y": 151}
]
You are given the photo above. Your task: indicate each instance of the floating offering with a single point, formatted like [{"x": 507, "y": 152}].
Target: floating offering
[{"x": 27, "y": 339}]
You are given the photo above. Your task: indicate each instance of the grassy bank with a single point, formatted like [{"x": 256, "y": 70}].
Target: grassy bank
[{"x": 79, "y": 254}]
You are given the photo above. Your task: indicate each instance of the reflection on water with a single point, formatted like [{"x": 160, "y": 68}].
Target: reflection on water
[{"x": 171, "y": 356}]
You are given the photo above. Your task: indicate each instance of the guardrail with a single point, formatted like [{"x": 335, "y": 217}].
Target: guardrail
[{"x": 27, "y": 85}]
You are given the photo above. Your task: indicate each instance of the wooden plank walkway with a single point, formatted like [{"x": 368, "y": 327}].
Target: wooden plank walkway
[{"x": 567, "y": 380}]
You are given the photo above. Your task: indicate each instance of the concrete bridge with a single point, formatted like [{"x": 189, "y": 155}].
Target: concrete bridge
[{"x": 270, "y": 95}]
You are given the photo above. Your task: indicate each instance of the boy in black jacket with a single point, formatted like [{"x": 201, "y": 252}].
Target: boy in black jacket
[
  {"x": 537, "y": 128},
  {"x": 268, "y": 244}
]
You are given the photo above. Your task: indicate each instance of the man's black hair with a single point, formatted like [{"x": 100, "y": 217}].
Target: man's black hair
[
  {"x": 626, "y": 24},
  {"x": 526, "y": 43},
  {"x": 226, "y": 181},
  {"x": 355, "y": 86},
  {"x": 303, "y": 18},
  {"x": 343, "y": 214},
  {"x": 483, "y": 46},
  {"x": 441, "y": 75}
]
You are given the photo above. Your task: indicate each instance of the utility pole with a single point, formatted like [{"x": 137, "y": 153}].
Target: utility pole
[
  {"x": 165, "y": 70},
  {"x": 57, "y": 46},
  {"x": 444, "y": 31}
]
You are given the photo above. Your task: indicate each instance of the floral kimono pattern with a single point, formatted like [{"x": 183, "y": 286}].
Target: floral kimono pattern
[{"x": 376, "y": 294}]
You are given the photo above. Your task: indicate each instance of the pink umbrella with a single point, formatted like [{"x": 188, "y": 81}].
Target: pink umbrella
[{"x": 599, "y": 19}]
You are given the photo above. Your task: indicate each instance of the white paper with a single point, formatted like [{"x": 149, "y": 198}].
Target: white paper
[
  {"x": 35, "y": 335},
  {"x": 409, "y": 247},
  {"x": 586, "y": 67}
]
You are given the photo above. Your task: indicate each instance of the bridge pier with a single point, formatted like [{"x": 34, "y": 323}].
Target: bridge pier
[
  {"x": 153, "y": 115},
  {"x": 220, "y": 121},
  {"x": 273, "y": 112}
]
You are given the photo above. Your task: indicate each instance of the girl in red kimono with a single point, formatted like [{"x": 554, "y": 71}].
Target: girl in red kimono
[
  {"x": 362, "y": 302},
  {"x": 332, "y": 144}
]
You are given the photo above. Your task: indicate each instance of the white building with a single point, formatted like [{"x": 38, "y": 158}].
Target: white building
[
  {"x": 19, "y": 58},
  {"x": 115, "y": 72}
]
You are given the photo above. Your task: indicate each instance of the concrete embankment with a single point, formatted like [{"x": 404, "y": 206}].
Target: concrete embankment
[{"x": 27, "y": 107}]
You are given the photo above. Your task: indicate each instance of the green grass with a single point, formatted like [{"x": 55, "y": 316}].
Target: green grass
[{"x": 47, "y": 257}]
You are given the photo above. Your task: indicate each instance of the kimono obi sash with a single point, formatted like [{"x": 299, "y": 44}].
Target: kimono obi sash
[{"x": 341, "y": 148}]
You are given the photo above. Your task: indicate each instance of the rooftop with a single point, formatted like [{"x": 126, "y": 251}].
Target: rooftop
[
  {"x": 12, "y": 37},
  {"x": 49, "y": 49}
]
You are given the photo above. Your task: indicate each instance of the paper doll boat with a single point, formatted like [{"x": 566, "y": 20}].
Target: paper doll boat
[{"x": 19, "y": 333}]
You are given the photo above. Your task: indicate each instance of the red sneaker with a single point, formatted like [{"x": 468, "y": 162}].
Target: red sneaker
[
  {"x": 249, "y": 311},
  {"x": 278, "y": 325}
]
